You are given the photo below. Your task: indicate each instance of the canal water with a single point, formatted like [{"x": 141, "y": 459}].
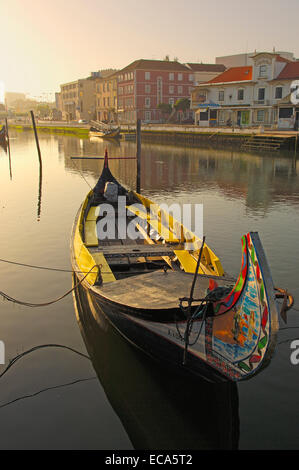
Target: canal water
[{"x": 54, "y": 398}]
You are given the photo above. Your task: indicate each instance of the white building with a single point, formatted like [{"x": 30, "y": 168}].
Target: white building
[
  {"x": 240, "y": 60},
  {"x": 251, "y": 95}
]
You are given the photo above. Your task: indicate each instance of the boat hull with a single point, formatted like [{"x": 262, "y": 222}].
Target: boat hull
[
  {"x": 105, "y": 135},
  {"x": 228, "y": 333},
  {"x": 234, "y": 343}
]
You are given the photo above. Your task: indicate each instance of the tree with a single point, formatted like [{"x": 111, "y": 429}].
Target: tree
[
  {"x": 182, "y": 104},
  {"x": 165, "y": 109}
]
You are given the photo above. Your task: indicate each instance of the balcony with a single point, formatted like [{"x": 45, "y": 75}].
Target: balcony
[{"x": 262, "y": 102}]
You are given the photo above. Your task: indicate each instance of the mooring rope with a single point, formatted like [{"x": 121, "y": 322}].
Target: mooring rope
[
  {"x": 44, "y": 304},
  {"x": 35, "y": 348}
]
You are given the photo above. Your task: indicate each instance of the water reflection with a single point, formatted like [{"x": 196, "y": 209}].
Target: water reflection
[
  {"x": 261, "y": 180},
  {"x": 158, "y": 409},
  {"x": 39, "y": 197}
]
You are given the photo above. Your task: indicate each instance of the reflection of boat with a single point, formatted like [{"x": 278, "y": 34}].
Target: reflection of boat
[
  {"x": 157, "y": 408},
  {"x": 223, "y": 331}
]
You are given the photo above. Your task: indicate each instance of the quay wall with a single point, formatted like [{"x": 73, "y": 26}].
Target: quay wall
[{"x": 169, "y": 133}]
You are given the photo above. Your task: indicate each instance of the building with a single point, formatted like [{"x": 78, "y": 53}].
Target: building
[
  {"x": 106, "y": 97},
  {"x": 11, "y": 98},
  {"x": 249, "y": 95},
  {"x": 77, "y": 99},
  {"x": 145, "y": 86},
  {"x": 205, "y": 72},
  {"x": 286, "y": 107},
  {"x": 245, "y": 59}
]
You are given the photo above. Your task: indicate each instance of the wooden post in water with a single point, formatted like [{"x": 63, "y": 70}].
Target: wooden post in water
[
  {"x": 8, "y": 144},
  {"x": 138, "y": 153},
  {"x": 36, "y": 139},
  {"x": 40, "y": 167}
]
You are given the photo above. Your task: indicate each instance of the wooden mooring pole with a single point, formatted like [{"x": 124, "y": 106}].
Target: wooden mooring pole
[
  {"x": 8, "y": 144},
  {"x": 36, "y": 138},
  {"x": 138, "y": 153},
  {"x": 40, "y": 167}
]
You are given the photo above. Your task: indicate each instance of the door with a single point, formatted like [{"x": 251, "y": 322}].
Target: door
[{"x": 245, "y": 118}]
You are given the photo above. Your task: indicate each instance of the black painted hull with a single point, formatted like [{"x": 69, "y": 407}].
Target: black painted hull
[{"x": 151, "y": 343}]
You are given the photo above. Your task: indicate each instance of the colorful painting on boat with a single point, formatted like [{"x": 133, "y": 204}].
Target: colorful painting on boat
[{"x": 237, "y": 341}]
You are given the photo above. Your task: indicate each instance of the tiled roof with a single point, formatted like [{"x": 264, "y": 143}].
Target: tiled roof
[
  {"x": 146, "y": 64},
  {"x": 206, "y": 67},
  {"x": 290, "y": 71},
  {"x": 234, "y": 74},
  {"x": 282, "y": 59}
]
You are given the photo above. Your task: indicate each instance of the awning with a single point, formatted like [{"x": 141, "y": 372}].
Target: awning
[{"x": 209, "y": 104}]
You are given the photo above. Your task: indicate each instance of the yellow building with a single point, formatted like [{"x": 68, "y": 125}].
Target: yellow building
[
  {"x": 106, "y": 97},
  {"x": 78, "y": 99}
]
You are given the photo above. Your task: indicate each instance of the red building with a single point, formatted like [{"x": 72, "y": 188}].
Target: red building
[{"x": 145, "y": 84}]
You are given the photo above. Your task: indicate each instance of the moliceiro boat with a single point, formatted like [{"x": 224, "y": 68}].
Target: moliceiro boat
[
  {"x": 105, "y": 131},
  {"x": 165, "y": 290},
  {"x": 3, "y": 135}
]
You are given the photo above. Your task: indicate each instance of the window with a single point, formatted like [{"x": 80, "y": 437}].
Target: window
[
  {"x": 262, "y": 71},
  {"x": 241, "y": 94},
  {"x": 221, "y": 116},
  {"x": 261, "y": 94},
  {"x": 147, "y": 102},
  {"x": 278, "y": 92},
  {"x": 171, "y": 89},
  {"x": 171, "y": 76},
  {"x": 171, "y": 101},
  {"x": 120, "y": 90},
  {"x": 204, "y": 116},
  {"x": 260, "y": 115},
  {"x": 147, "y": 115},
  {"x": 285, "y": 113},
  {"x": 220, "y": 96},
  {"x": 180, "y": 90},
  {"x": 201, "y": 96},
  {"x": 180, "y": 77},
  {"x": 147, "y": 75},
  {"x": 190, "y": 77},
  {"x": 147, "y": 88}
]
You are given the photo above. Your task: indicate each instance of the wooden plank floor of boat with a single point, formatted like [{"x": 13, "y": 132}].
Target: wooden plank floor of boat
[{"x": 158, "y": 289}]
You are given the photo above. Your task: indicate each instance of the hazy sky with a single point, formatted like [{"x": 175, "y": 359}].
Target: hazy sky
[{"x": 44, "y": 44}]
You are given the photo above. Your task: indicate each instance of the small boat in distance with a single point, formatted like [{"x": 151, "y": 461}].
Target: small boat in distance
[
  {"x": 165, "y": 290},
  {"x": 108, "y": 134},
  {"x": 3, "y": 135},
  {"x": 105, "y": 131}
]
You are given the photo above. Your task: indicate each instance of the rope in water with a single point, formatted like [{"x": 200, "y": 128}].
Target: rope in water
[
  {"x": 44, "y": 304},
  {"x": 35, "y": 348}
]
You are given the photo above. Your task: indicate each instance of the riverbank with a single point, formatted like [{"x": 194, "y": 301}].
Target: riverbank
[{"x": 256, "y": 138}]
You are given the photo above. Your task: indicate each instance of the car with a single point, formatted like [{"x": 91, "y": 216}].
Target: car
[{"x": 82, "y": 121}]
